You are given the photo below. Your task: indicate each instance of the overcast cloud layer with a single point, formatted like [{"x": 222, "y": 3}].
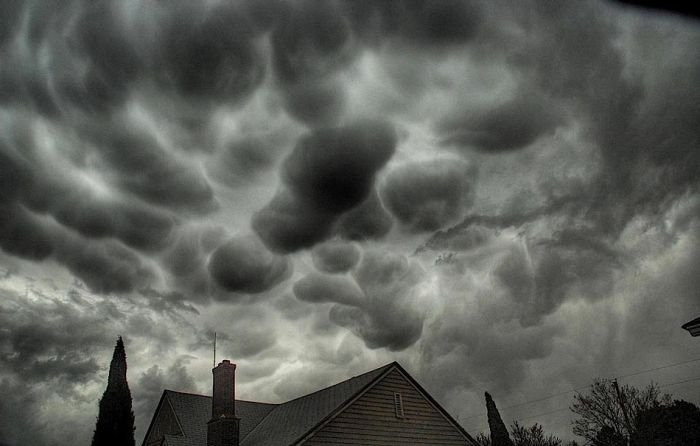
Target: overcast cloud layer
[{"x": 502, "y": 196}]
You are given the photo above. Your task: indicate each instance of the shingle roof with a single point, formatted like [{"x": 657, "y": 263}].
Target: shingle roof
[
  {"x": 194, "y": 411},
  {"x": 289, "y": 421},
  {"x": 176, "y": 440},
  {"x": 265, "y": 424}
]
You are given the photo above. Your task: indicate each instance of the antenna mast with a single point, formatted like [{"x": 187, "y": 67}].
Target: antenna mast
[{"x": 214, "y": 350}]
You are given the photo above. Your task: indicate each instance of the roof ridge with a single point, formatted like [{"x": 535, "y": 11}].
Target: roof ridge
[
  {"x": 209, "y": 396},
  {"x": 338, "y": 383},
  {"x": 186, "y": 393},
  {"x": 336, "y": 395}
]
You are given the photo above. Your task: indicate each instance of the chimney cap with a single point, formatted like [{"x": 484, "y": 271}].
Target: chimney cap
[{"x": 226, "y": 363}]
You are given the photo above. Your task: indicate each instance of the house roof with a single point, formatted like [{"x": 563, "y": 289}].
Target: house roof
[
  {"x": 263, "y": 424},
  {"x": 288, "y": 422},
  {"x": 194, "y": 411}
]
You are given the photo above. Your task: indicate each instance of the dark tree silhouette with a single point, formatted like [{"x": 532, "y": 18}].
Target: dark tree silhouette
[
  {"x": 607, "y": 412},
  {"x": 607, "y": 436},
  {"x": 115, "y": 422},
  {"x": 499, "y": 433},
  {"x": 675, "y": 424},
  {"x": 527, "y": 436},
  {"x": 534, "y": 436}
]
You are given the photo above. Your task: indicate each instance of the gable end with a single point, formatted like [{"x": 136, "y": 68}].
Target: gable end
[
  {"x": 372, "y": 417},
  {"x": 164, "y": 422}
]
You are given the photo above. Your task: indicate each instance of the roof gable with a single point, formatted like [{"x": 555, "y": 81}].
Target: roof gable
[
  {"x": 394, "y": 409},
  {"x": 435, "y": 404},
  {"x": 290, "y": 421},
  {"x": 192, "y": 413},
  {"x": 164, "y": 421}
]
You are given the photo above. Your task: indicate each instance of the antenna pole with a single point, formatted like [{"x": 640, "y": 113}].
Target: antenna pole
[{"x": 214, "y": 350}]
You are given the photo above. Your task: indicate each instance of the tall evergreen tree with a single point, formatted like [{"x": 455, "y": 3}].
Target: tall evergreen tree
[
  {"x": 499, "y": 433},
  {"x": 115, "y": 422}
]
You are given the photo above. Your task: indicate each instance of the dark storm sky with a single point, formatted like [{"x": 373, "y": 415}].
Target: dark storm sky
[{"x": 502, "y": 196}]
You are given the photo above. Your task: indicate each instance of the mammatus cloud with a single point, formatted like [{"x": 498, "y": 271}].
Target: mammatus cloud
[
  {"x": 425, "y": 196},
  {"x": 368, "y": 221},
  {"x": 139, "y": 140},
  {"x": 243, "y": 265},
  {"x": 329, "y": 172},
  {"x": 377, "y": 302},
  {"x": 335, "y": 256},
  {"x": 311, "y": 44},
  {"x": 511, "y": 125}
]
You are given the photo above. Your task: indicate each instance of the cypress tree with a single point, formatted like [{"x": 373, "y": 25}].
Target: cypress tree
[
  {"x": 499, "y": 433},
  {"x": 115, "y": 422}
]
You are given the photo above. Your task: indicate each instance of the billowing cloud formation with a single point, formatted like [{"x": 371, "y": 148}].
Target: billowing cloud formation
[
  {"x": 335, "y": 256},
  {"x": 136, "y": 138},
  {"x": 511, "y": 125},
  {"x": 418, "y": 21},
  {"x": 426, "y": 196},
  {"x": 378, "y": 304},
  {"x": 329, "y": 172},
  {"x": 213, "y": 56},
  {"x": 243, "y": 265},
  {"x": 540, "y": 278},
  {"x": 312, "y": 42},
  {"x": 149, "y": 171},
  {"x": 367, "y": 221},
  {"x": 319, "y": 288}
]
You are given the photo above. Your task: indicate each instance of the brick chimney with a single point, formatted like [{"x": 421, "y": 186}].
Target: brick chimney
[{"x": 222, "y": 429}]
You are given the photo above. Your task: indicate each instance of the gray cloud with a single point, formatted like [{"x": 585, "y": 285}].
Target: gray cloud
[
  {"x": 105, "y": 267},
  {"x": 511, "y": 125},
  {"x": 335, "y": 256},
  {"x": 250, "y": 336},
  {"x": 36, "y": 345},
  {"x": 368, "y": 221},
  {"x": 425, "y": 196},
  {"x": 9, "y": 21},
  {"x": 147, "y": 170},
  {"x": 417, "y": 21},
  {"x": 317, "y": 102},
  {"x": 136, "y": 137},
  {"x": 310, "y": 44},
  {"x": 334, "y": 168},
  {"x": 317, "y": 288},
  {"x": 213, "y": 57},
  {"x": 40, "y": 187},
  {"x": 192, "y": 244},
  {"x": 244, "y": 265},
  {"x": 246, "y": 158},
  {"x": 23, "y": 235},
  {"x": 102, "y": 38},
  {"x": 19, "y": 423},
  {"x": 375, "y": 304},
  {"x": 329, "y": 172}
]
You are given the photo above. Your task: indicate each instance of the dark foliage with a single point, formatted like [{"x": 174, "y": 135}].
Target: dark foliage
[
  {"x": 607, "y": 412},
  {"x": 674, "y": 424},
  {"x": 499, "y": 433},
  {"x": 608, "y": 436},
  {"x": 527, "y": 436},
  {"x": 115, "y": 422}
]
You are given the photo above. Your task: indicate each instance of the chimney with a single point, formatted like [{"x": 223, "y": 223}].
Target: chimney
[{"x": 222, "y": 429}]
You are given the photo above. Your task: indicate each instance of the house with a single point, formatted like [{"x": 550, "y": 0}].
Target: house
[{"x": 385, "y": 406}]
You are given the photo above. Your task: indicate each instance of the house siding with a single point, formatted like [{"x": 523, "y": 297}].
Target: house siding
[
  {"x": 164, "y": 422},
  {"x": 372, "y": 419}
]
